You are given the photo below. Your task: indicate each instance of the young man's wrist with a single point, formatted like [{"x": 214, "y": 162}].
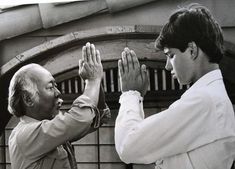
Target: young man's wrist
[{"x": 95, "y": 80}]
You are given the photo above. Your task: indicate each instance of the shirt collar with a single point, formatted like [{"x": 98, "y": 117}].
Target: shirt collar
[
  {"x": 207, "y": 79},
  {"x": 27, "y": 119}
]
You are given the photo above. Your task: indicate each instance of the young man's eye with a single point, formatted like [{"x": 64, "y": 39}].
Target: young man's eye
[{"x": 171, "y": 55}]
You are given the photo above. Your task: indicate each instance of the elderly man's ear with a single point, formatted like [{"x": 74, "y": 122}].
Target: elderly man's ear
[{"x": 27, "y": 99}]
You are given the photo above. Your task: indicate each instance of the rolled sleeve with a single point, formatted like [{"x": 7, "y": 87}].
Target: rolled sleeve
[
  {"x": 84, "y": 102},
  {"x": 99, "y": 115}
]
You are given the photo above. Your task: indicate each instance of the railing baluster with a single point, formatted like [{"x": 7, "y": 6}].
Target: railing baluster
[
  {"x": 62, "y": 87},
  {"x": 172, "y": 83},
  {"x": 76, "y": 84},
  {"x": 82, "y": 84},
  {"x": 69, "y": 86},
  {"x": 112, "y": 81},
  {"x": 163, "y": 80},
  {"x": 148, "y": 74},
  {"x": 104, "y": 81},
  {"x": 156, "y": 79}
]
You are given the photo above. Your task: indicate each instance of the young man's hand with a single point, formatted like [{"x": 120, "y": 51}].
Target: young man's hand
[{"x": 132, "y": 75}]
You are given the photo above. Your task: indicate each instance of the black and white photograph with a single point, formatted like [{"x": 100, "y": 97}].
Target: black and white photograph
[{"x": 117, "y": 84}]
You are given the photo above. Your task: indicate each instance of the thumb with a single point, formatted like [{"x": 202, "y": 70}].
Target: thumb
[
  {"x": 80, "y": 63},
  {"x": 144, "y": 74}
]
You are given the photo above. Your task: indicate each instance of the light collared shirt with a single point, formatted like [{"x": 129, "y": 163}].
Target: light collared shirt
[
  {"x": 195, "y": 132},
  {"x": 37, "y": 144}
]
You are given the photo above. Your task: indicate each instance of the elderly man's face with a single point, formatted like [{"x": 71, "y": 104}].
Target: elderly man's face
[{"x": 48, "y": 102}]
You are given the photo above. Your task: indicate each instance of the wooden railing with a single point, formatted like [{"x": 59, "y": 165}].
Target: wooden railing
[{"x": 160, "y": 80}]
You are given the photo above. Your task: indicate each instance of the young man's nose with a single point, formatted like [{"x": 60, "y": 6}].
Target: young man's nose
[{"x": 168, "y": 65}]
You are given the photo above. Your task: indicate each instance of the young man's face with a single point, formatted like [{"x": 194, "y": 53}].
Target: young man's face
[
  {"x": 48, "y": 102},
  {"x": 180, "y": 64}
]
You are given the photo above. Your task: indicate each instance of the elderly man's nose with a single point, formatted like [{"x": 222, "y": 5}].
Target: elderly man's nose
[
  {"x": 60, "y": 101},
  {"x": 57, "y": 92}
]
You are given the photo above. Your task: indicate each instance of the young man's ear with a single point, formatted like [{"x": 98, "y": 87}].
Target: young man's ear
[
  {"x": 193, "y": 49},
  {"x": 27, "y": 99}
]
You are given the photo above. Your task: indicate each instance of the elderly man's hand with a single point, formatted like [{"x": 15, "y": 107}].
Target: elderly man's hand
[
  {"x": 132, "y": 75},
  {"x": 90, "y": 67}
]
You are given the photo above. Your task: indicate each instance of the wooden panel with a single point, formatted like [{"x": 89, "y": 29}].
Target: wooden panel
[
  {"x": 106, "y": 135},
  {"x": 20, "y": 21},
  {"x": 108, "y": 154},
  {"x": 88, "y": 166},
  {"x": 115, "y": 6},
  {"x": 7, "y": 135},
  {"x": 229, "y": 36},
  {"x": 53, "y": 15},
  {"x": 2, "y": 153},
  {"x": 113, "y": 166},
  {"x": 11, "y": 48},
  {"x": 7, "y": 155},
  {"x": 86, "y": 153},
  {"x": 145, "y": 166},
  {"x": 88, "y": 139}
]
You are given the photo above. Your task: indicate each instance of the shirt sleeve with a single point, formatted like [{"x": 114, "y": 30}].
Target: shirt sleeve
[
  {"x": 186, "y": 124},
  {"x": 103, "y": 116},
  {"x": 41, "y": 137}
]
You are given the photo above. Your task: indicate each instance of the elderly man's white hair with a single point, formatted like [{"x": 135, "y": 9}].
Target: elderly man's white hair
[{"x": 21, "y": 85}]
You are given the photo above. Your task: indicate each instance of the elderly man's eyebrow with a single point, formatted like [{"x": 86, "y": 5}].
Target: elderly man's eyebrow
[{"x": 52, "y": 82}]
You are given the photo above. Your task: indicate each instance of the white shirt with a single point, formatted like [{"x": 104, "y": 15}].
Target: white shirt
[{"x": 195, "y": 132}]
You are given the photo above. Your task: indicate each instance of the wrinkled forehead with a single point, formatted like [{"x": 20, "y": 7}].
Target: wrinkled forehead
[{"x": 40, "y": 74}]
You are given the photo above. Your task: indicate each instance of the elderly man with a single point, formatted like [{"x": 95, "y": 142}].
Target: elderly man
[
  {"x": 198, "y": 130},
  {"x": 40, "y": 140}
]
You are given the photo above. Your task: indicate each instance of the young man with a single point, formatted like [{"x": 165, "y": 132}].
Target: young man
[
  {"x": 41, "y": 138},
  {"x": 198, "y": 130}
]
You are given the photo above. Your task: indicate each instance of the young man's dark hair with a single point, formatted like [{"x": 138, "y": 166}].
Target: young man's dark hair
[{"x": 193, "y": 23}]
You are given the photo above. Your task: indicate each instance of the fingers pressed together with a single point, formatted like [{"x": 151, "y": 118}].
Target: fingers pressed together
[
  {"x": 90, "y": 54},
  {"x": 129, "y": 62}
]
